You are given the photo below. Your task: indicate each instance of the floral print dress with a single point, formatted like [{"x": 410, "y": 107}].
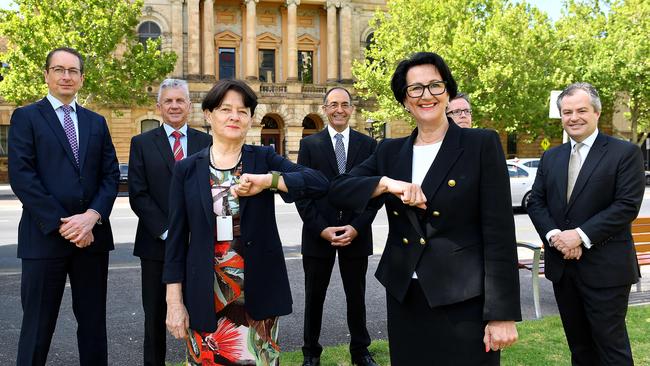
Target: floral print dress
[{"x": 238, "y": 339}]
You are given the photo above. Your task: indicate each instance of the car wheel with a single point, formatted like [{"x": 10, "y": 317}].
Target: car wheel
[{"x": 524, "y": 202}]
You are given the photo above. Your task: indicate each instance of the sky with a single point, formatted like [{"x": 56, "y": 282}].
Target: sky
[{"x": 551, "y": 7}]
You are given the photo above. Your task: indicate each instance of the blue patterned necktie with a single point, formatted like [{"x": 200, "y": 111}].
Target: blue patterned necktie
[
  {"x": 339, "y": 150},
  {"x": 68, "y": 126}
]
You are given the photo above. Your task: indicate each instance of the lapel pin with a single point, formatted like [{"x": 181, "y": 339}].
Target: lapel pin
[{"x": 451, "y": 183}]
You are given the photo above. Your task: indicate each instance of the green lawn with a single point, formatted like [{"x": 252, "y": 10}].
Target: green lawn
[{"x": 541, "y": 342}]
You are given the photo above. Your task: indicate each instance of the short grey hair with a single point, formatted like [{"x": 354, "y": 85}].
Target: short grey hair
[
  {"x": 174, "y": 83},
  {"x": 587, "y": 88},
  {"x": 462, "y": 96}
]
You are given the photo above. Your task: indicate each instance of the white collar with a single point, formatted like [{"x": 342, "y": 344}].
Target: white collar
[
  {"x": 56, "y": 104},
  {"x": 589, "y": 141},
  {"x": 169, "y": 129},
  {"x": 333, "y": 132}
]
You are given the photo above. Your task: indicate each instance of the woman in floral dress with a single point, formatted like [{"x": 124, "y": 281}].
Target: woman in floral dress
[{"x": 226, "y": 277}]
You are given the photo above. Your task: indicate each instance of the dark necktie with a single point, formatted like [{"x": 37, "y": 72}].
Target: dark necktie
[
  {"x": 339, "y": 151},
  {"x": 575, "y": 160},
  {"x": 70, "y": 131},
  {"x": 178, "y": 148}
]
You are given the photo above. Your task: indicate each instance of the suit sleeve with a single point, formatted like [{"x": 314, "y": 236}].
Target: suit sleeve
[
  {"x": 302, "y": 182},
  {"x": 353, "y": 191},
  {"x": 103, "y": 200},
  {"x": 144, "y": 206},
  {"x": 24, "y": 177},
  {"x": 307, "y": 209},
  {"x": 365, "y": 218},
  {"x": 628, "y": 196},
  {"x": 498, "y": 228},
  {"x": 178, "y": 236},
  {"x": 537, "y": 206}
]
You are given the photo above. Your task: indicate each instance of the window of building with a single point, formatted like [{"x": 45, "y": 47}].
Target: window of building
[
  {"x": 266, "y": 60},
  {"x": 226, "y": 63},
  {"x": 4, "y": 134},
  {"x": 148, "y": 30},
  {"x": 369, "y": 41},
  {"x": 306, "y": 67},
  {"x": 149, "y": 124},
  {"x": 511, "y": 149}
]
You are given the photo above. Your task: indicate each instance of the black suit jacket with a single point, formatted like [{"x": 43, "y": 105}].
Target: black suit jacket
[
  {"x": 606, "y": 198},
  {"x": 463, "y": 245},
  {"x": 189, "y": 251},
  {"x": 49, "y": 184},
  {"x": 317, "y": 152},
  {"x": 151, "y": 164}
]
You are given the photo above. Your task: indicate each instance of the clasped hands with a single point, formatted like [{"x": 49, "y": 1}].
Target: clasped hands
[
  {"x": 78, "y": 229},
  {"x": 499, "y": 334},
  {"x": 569, "y": 243},
  {"x": 339, "y": 236},
  {"x": 410, "y": 193}
]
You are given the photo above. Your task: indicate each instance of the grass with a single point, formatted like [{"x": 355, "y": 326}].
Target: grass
[{"x": 541, "y": 343}]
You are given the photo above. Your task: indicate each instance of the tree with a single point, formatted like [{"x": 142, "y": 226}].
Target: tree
[
  {"x": 117, "y": 67},
  {"x": 503, "y": 55}
]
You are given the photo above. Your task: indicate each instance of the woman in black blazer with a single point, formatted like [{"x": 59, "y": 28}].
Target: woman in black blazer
[
  {"x": 450, "y": 262},
  {"x": 223, "y": 233}
]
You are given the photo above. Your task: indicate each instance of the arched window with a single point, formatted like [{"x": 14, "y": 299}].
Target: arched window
[
  {"x": 269, "y": 123},
  {"x": 369, "y": 41},
  {"x": 148, "y": 124},
  {"x": 308, "y": 123},
  {"x": 148, "y": 30}
]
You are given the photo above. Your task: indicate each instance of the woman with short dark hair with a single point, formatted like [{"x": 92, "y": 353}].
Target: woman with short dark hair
[
  {"x": 450, "y": 261},
  {"x": 223, "y": 233}
]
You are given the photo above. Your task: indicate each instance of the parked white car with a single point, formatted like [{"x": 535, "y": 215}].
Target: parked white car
[
  {"x": 527, "y": 162},
  {"x": 522, "y": 178}
]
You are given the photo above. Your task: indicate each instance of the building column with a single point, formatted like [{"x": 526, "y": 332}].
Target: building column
[
  {"x": 193, "y": 39},
  {"x": 177, "y": 36},
  {"x": 346, "y": 43},
  {"x": 292, "y": 40},
  {"x": 208, "y": 39},
  {"x": 332, "y": 42},
  {"x": 251, "y": 40}
]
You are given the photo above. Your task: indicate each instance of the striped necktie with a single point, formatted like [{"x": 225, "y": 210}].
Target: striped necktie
[{"x": 178, "y": 148}]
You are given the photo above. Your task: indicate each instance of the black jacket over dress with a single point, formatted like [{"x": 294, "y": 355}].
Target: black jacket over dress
[{"x": 189, "y": 249}]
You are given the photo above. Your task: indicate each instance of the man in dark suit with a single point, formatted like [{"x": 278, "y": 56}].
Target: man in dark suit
[
  {"x": 586, "y": 194},
  {"x": 326, "y": 230},
  {"x": 63, "y": 168},
  {"x": 151, "y": 163}
]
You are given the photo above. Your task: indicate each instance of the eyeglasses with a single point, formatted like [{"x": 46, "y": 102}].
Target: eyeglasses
[
  {"x": 417, "y": 90},
  {"x": 335, "y": 106},
  {"x": 458, "y": 112},
  {"x": 73, "y": 72}
]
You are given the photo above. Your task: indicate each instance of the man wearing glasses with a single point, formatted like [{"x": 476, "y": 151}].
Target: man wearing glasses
[
  {"x": 326, "y": 230},
  {"x": 63, "y": 168},
  {"x": 460, "y": 110}
]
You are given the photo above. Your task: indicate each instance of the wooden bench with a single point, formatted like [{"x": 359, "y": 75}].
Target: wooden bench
[{"x": 640, "y": 234}]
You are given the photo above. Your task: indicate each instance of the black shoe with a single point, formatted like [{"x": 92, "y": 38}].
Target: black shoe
[
  {"x": 311, "y": 361},
  {"x": 366, "y": 360}
]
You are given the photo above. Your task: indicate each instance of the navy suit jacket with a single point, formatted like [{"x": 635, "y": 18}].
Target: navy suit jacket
[
  {"x": 45, "y": 177},
  {"x": 151, "y": 164},
  {"x": 189, "y": 252},
  {"x": 317, "y": 152},
  {"x": 606, "y": 198},
  {"x": 463, "y": 245}
]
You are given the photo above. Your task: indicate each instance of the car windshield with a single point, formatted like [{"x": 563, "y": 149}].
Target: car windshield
[{"x": 124, "y": 169}]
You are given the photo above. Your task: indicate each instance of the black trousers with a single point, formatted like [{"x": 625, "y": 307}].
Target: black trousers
[
  {"x": 449, "y": 335},
  {"x": 593, "y": 320},
  {"x": 155, "y": 311},
  {"x": 41, "y": 290},
  {"x": 317, "y": 277}
]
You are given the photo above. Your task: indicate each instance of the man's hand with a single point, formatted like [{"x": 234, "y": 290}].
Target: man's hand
[
  {"x": 85, "y": 241},
  {"x": 566, "y": 240},
  {"x": 500, "y": 334},
  {"x": 343, "y": 236},
  {"x": 574, "y": 253},
  {"x": 76, "y": 228},
  {"x": 411, "y": 194},
  {"x": 177, "y": 320}
]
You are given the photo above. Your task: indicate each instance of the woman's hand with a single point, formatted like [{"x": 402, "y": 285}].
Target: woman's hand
[
  {"x": 251, "y": 184},
  {"x": 410, "y": 193},
  {"x": 500, "y": 334},
  {"x": 177, "y": 320}
]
